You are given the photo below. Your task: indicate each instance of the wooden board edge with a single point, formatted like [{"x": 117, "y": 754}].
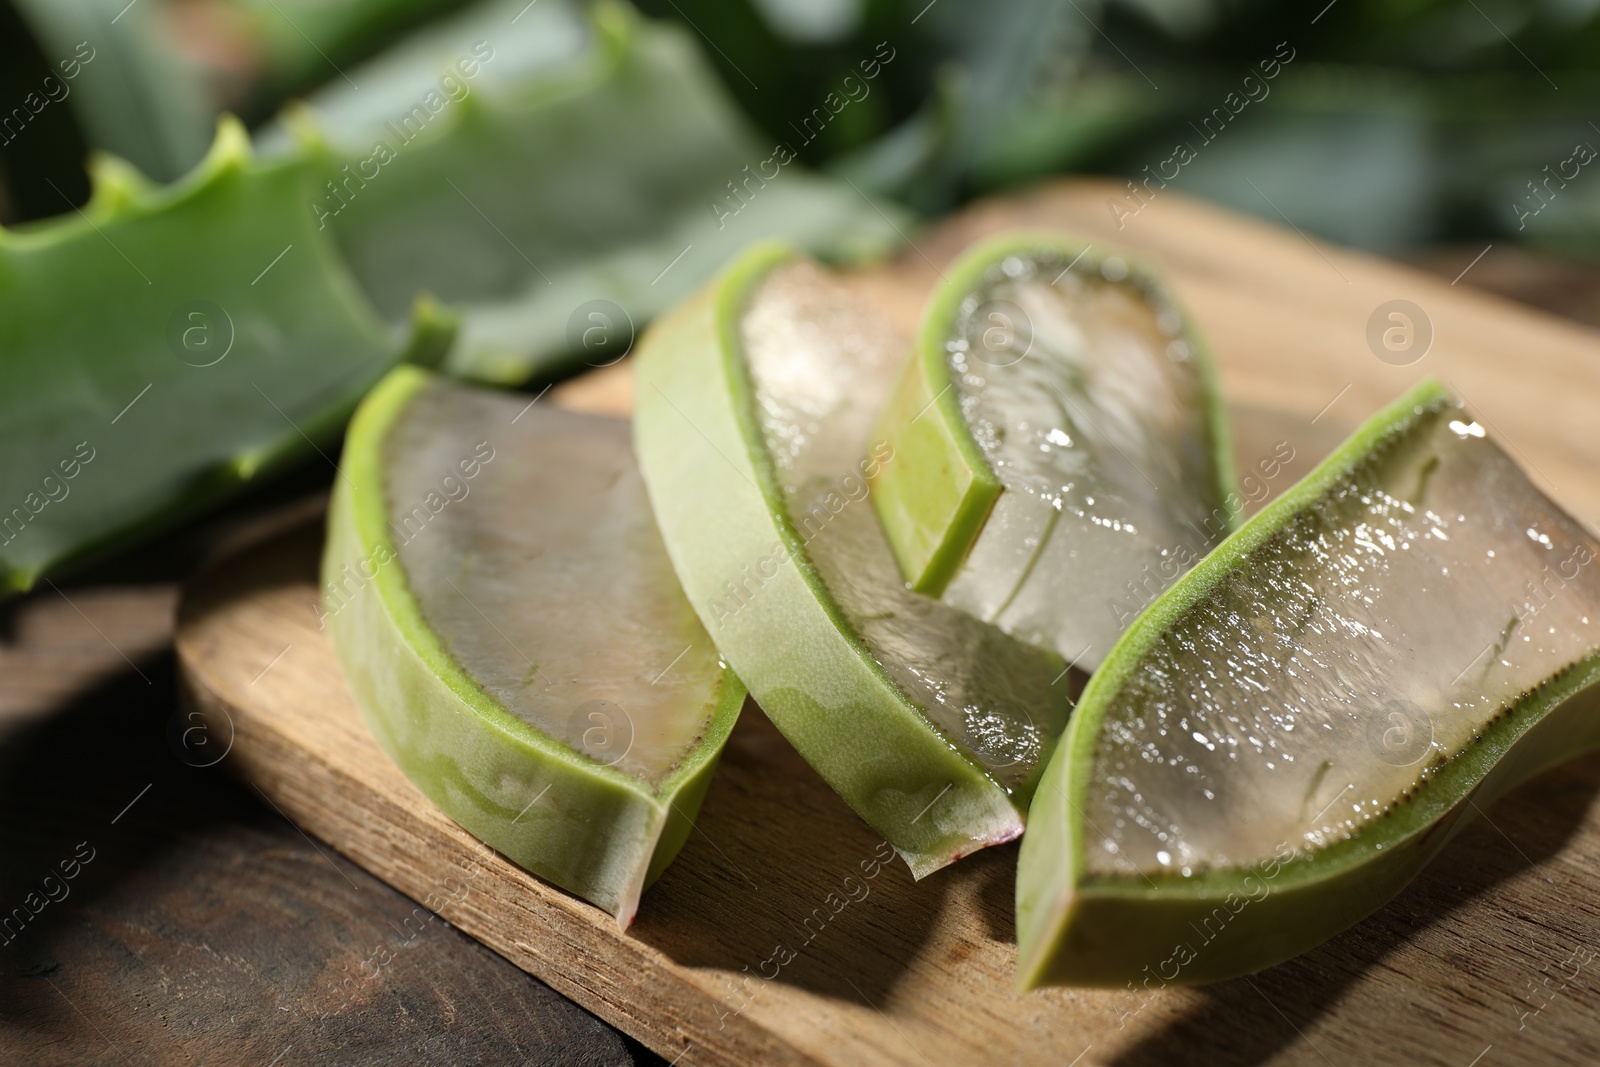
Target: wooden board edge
[{"x": 260, "y": 753}]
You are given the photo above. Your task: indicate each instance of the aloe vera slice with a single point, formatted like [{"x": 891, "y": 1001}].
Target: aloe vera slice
[
  {"x": 1062, "y": 455},
  {"x": 167, "y": 345},
  {"x": 512, "y": 631},
  {"x": 754, "y": 406},
  {"x": 1283, "y": 740},
  {"x": 592, "y": 161}
]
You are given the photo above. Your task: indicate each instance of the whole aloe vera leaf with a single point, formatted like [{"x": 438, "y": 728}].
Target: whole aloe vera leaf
[
  {"x": 164, "y": 346},
  {"x": 585, "y": 160},
  {"x": 157, "y": 79}
]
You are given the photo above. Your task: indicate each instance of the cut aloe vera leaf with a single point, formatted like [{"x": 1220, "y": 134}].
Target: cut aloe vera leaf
[
  {"x": 1061, "y": 454},
  {"x": 512, "y": 631},
  {"x": 589, "y": 174},
  {"x": 754, "y": 407},
  {"x": 165, "y": 346},
  {"x": 1283, "y": 739}
]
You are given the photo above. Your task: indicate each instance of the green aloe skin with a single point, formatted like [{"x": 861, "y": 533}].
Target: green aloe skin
[
  {"x": 753, "y": 408},
  {"x": 543, "y": 267},
  {"x": 1282, "y": 741},
  {"x": 144, "y": 97},
  {"x": 223, "y": 336},
  {"x": 569, "y": 160},
  {"x": 1061, "y": 444},
  {"x": 467, "y": 627}
]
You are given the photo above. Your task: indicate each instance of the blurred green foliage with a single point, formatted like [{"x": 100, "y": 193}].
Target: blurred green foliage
[
  {"x": 603, "y": 164},
  {"x": 554, "y": 176},
  {"x": 1397, "y": 121},
  {"x": 572, "y": 162}
]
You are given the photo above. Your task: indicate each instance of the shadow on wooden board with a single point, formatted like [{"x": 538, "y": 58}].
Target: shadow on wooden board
[{"x": 1251, "y": 1020}]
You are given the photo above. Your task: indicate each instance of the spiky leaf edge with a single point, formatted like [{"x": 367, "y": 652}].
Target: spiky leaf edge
[{"x": 120, "y": 192}]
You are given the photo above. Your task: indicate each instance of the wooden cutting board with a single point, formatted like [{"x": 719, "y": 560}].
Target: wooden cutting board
[{"x": 739, "y": 954}]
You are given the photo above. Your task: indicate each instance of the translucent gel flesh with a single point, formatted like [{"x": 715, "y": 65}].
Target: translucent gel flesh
[
  {"x": 822, "y": 362},
  {"x": 544, "y": 575},
  {"x": 1345, "y": 660},
  {"x": 1081, "y": 391}
]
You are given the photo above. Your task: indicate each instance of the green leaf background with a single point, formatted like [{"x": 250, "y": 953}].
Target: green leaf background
[{"x": 604, "y": 161}]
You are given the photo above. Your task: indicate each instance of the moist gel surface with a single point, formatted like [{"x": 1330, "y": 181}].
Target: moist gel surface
[
  {"x": 822, "y": 362},
  {"x": 544, "y": 571},
  {"x": 1083, "y": 393},
  {"x": 1372, "y": 639}
]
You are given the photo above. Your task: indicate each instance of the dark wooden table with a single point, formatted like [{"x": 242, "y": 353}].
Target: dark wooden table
[{"x": 200, "y": 925}]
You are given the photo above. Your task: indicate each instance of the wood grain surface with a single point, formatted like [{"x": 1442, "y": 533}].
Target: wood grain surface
[
  {"x": 742, "y": 953},
  {"x": 200, "y": 925}
]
